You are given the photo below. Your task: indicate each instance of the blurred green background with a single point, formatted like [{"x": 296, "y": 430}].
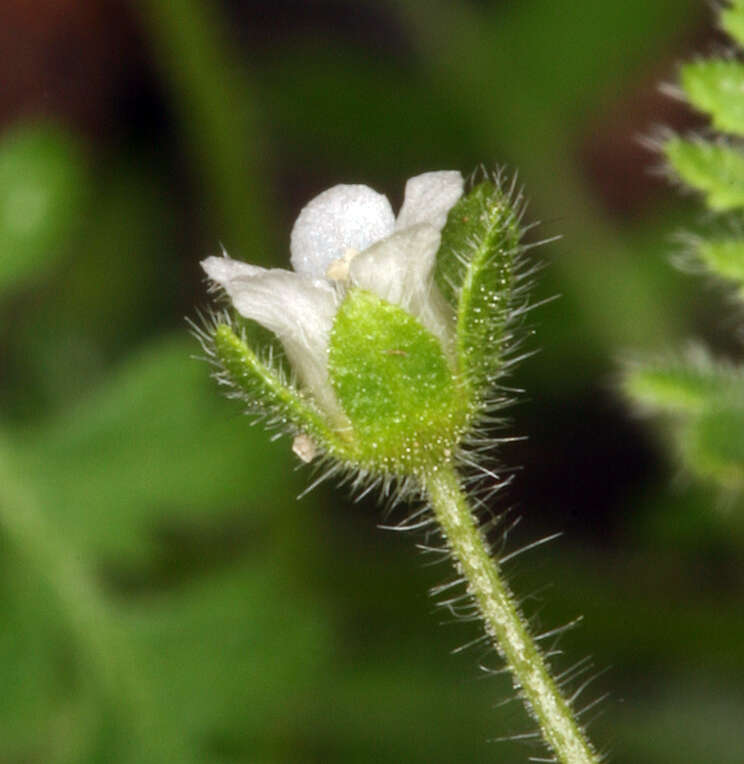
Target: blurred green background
[{"x": 163, "y": 595}]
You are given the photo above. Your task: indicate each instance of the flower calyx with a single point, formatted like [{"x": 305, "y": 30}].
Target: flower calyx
[{"x": 393, "y": 327}]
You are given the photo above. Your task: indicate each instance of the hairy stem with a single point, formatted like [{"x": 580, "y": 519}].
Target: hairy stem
[{"x": 503, "y": 621}]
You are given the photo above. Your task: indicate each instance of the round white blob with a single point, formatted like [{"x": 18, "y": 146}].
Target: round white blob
[{"x": 343, "y": 217}]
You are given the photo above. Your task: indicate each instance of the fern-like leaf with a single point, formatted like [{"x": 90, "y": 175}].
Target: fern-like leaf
[
  {"x": 724, "y": 257},
  {"x": 714, "y": 169},
  {"x": 732, "y": 20},
  {"x": 716, "y": 87},
  {"x": 682, "y": 386}
]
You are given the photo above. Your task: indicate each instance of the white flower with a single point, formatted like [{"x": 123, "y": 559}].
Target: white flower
[{"x": 347, "y": 236}]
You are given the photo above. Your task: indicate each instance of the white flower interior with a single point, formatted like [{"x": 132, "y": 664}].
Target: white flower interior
[
  {"x": 340, "y": 219},
  {"x": 347, "y": 234}
]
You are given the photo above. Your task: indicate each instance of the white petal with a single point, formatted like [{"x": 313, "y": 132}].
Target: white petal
[
  {"x": 224, "y": 270},
  {"x": 428, "y": 199},
  {"x": 339, "y": 219},
  {"x": 299, "y": 310},
  {"x": 400, "y": 270}
]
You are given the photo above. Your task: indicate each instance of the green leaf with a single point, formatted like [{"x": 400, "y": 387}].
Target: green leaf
[
  {"x": 155, "y": 444},
  {"x": 707, "y": 401},
  {"x": 393, "y": 381},
  {"x": 724, "y": 257},
  {"x": 714, "y": 169},
  {"x": 716, "y": 86},
  {"x": 42, "y": 690},
  {"x": 732, "y": 20},
  {"x": 229, "y": 655},
  {"x": 713, "y": 445},
  {"x": 43, "y": 187},
  {"x": 475, "y": 271},
  {"x": 682, "y": 387}
]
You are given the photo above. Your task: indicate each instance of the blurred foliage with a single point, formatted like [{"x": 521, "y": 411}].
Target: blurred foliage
[
  {"x": 43, "y": 184},
  {"x": 705, "y": 397},
  {"x": 164, "y": 596}
]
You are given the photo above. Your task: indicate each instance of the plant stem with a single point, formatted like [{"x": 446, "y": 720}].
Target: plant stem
[{"x": 503, "y": 621}]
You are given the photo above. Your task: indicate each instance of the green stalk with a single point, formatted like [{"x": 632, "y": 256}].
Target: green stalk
[{"x": 504, "y": 623}]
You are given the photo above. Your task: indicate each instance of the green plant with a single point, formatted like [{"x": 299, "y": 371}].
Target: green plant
[
  {"x": 703, "y": 397},
  {"x": 397, "y": 333}
]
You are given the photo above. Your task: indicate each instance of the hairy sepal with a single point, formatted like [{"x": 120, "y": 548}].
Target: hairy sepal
[
  {"x": 475, "y": 272},
  {"x": 396, "y": 387},
  {"x": 263, "y": 388}
]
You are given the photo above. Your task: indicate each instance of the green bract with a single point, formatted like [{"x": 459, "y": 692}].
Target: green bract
[{"x": 395, "y": 329}]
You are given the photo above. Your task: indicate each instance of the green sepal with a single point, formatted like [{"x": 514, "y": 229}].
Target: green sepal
[
  {"x": 267, "y": 393},
  {"x": 681, "y": 387},
  {"x": 714, "y": 169},
  {"x": 475, "y": 272},
  {"x": 725, "y": 258},
  {"x": 394, "y": 383},
  {"x": 716, "y": 87},
  {"x": 732, "y": 20}
]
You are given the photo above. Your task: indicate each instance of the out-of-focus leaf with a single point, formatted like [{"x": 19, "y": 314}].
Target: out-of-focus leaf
[
  {"x": 42, "y": 693},
  {"x": 714, "y": 169},
  {"x": 707, "y": 401},
  {"x": 724, "y": 258},
  {"x": 232, "y": 655},
  {"x": 212, "y": 94},
  {"x": 225, "y": 660},
  {"x": 126, "y": 275},
  {"x": 121, "y": 278},
  {"x": 387, "y": 120},
  {"x": 157, "y": 443},
  {"x": 688, "y": 720},
  {"x": 732, "y": 20},
  {"x": 685, "y": 387},
  {"x": 713, "y": 444},
  {"x": 43, "y": 189},
  {"x": 472, "y": 47},
  {"x": 716, "y": 86}
]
